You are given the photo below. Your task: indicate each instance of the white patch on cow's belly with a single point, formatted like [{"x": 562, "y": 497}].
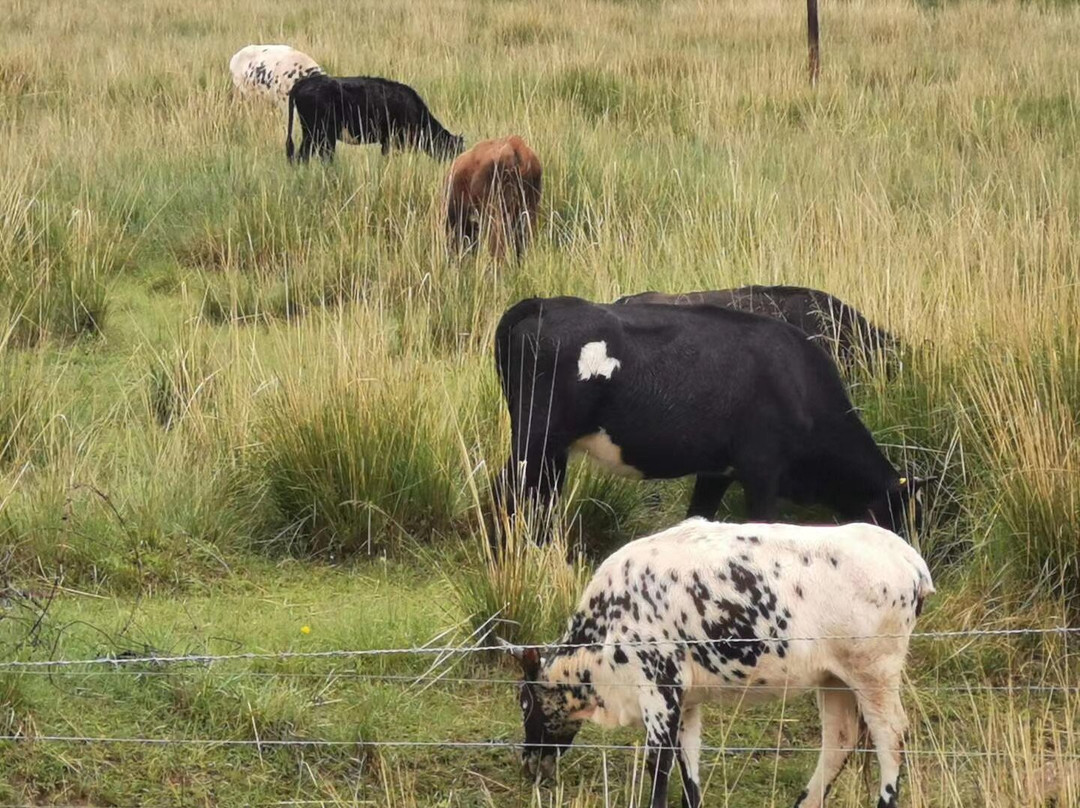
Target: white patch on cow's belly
[
  {"x": 594, "y": 361},
  {"x": 600, "y": 449}
]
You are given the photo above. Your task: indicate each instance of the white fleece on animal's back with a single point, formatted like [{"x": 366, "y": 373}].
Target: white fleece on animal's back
[
  {"x": 854, "y": 580},
  {"x": 270, "y": 71},
  {"x": 877, "y": 552}
]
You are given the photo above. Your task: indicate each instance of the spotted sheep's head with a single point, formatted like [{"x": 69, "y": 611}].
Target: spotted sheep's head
[{"x": 550, "y": 726}]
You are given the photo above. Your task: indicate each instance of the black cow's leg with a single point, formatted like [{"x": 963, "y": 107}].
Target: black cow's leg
[
  {"x": 759, "y": 474},
  {"x": 306, "y": 145},
  {"x": 535, "y": 476},
  {"x": 709, "y": 490},
  {"x": 327, "y": 145},
  {"x": 543, "y": 476},
  {"x": 762, "y": 500}
]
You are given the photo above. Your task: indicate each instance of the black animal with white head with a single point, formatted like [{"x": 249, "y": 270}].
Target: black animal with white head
[{"x": 709, "y": 611}]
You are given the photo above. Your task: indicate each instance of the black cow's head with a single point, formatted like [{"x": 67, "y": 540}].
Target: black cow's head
[
  {"x": 446, "y": 146},
  {"x": 900, "y": 508},
  {"x": 549, "y": 727}
]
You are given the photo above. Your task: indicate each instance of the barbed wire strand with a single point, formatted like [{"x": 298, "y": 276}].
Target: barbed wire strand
[
  {"x": 492, "y": 744},
  {"x": 151, "y": 659},
  {"x": 462, "y": 680}
]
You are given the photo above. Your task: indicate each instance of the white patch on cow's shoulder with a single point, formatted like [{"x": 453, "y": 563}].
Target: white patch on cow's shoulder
[
  {"x": 594, "y": 361},
  {"x": 600, "y": 449}
]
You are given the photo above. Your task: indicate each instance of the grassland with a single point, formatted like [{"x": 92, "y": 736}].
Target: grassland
[{"x": 239, "y": 398}]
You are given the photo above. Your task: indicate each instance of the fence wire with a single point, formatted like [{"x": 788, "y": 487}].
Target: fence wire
[
  {"x": 496, "y": 745},
  {"x": 125, "y": 665},
  {"x": 420, "y": 679},
  {"x": 253, "y": 656}
]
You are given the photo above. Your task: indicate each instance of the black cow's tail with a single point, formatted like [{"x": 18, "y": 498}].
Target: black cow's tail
[
  {"x": 290, "y": 149},
  {"x": 514, "y": 315}
]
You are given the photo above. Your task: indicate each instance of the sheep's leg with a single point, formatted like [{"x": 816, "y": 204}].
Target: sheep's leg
[
  {"x": 839, "y": 733},
  {"x": 689, "y": 754},
  {"x": 879, "y": 702},
  {"x": 660, "y": 709}
]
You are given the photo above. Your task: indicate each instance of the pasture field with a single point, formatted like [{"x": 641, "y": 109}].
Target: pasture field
[{"x": 249, "y": 407}]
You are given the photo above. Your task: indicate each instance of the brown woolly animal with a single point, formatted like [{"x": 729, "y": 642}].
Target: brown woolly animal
[{"x": 494, "y": 187}]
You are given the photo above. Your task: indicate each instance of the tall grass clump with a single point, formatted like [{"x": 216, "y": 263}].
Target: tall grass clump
[
  {"x": 18, "y": 412},
  {"x": 915, "y": 420},
  {"x": 519, "y": 584},
  {"x": 56, "y": 263},
  {"x": 34, "y": 429},
  {"x": 1025, "y": 421},
  {"x": 345, "y": 465},
  {"x": 15, "y": 714},
  {"x": 606, "y": 511},
  {"x": 179, "y": 377}
]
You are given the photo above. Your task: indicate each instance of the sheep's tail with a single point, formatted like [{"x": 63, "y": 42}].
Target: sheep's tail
[{"x": 924, "y": 586}]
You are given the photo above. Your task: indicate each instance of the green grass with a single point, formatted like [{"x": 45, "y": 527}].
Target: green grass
[{"x": 239, "y": 397}]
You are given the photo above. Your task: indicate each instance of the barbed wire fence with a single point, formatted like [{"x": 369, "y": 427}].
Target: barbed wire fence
[{"x": 156, "y": 665}]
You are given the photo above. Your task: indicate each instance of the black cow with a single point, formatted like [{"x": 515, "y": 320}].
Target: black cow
[
  {"x": 826, "y": 319},
  {"x": 665, "y": 391},
  {"x": 364, "y": 110}
]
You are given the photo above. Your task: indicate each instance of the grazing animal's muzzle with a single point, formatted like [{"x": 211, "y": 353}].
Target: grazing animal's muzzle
[{"x": 538, "y": 766}]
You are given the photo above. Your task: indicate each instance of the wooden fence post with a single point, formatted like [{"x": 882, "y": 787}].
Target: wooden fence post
[{"x": 813, "y": 40}]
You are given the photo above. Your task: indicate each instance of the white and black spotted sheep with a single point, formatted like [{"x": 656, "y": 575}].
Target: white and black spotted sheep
[
  {"x": 270, "y": 71},
  {"x": 709, "y": 611}
]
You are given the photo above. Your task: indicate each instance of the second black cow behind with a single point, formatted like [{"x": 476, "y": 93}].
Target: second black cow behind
[
  {"x": 666, "y": 391},
  {"x": 827, "y": 320},
  {"x": 364, "y": 109}
]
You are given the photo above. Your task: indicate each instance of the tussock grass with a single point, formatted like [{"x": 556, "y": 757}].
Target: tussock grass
[
  {"x": 55, "y": 265},
  {"x": 1025, "y": 417},
  {"x": 348, "y": 464},
  {"x": 180, "y": 378},
  {"x": 518, "y": 583},
  {"x": 351, "y": 451}
]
